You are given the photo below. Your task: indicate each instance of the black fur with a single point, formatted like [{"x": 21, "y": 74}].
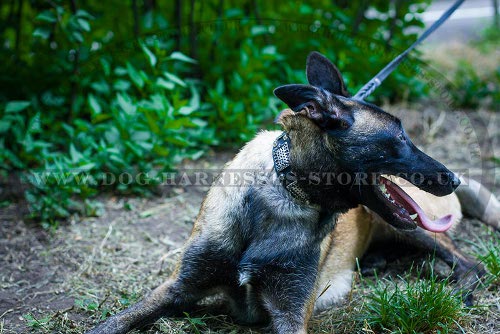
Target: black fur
[{"x": 258, "y": 244}]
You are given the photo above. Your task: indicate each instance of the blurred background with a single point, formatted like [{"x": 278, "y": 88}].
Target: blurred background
[{"x": 98, "y": 88}]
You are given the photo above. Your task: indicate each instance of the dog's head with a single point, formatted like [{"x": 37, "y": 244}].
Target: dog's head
[{"x": 366, "y": 142}]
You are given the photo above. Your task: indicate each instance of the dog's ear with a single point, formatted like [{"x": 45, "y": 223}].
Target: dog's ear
[
  {"x": 322, "y": 73},
  {"x": 296, "y": 96},
  {"x": 326, "y": 112}
]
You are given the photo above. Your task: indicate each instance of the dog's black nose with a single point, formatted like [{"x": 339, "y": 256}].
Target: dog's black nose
[{"x": 455, "y": 181}]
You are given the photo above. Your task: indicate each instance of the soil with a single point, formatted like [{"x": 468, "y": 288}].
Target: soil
[{"x": 65, "y": 280}]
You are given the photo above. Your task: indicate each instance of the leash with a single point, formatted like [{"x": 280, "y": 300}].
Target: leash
[
  {"x": 281, "y": 146},
  {"x": 368, "y": 88}
]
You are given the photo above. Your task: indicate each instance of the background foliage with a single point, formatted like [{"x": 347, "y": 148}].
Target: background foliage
[{"x": 92, "y": 90}]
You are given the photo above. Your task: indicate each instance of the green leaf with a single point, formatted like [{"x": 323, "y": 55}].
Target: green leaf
[
  {"x": 269, "y": 50},
  {"x": 186, "y": 110},
  {"x": 135, "y": 76},
  {"x": 219, "y": 86},
  {"x": 46, "y": 16},
  {"x": 94, "y": 104},
  {"x": 165, "y": 84},
  {"x": 175, "y": 79},
  {"x": 134, "y": 148},
  {"x": 86, "y": 167},
  {"x": 106, "y": 66},
  {"x": 140, "y": 136},
  {"x": 34, "y": 124},
  {"x": 233, "y": 12},
  {"x": 100, "y": 118},
  {"x": 84, "y": 14},
  {"x": 145, "y": 145},
  {"x": 125, "y": 102},
  {"x": 161, "y": 151},
  {"x": 199, "y": 122},
  {"x": 16, "y": 106},
  {"x": 152, "y": 122},
  {"x": 100, "y": 86},
  {"x": 149, "y": 54},
  {"x": 84, "y": 24},
  {"x": 305, "y": 9},
  {"x": 121, "y": 84},
  {"x": 178, "y": 140},
  {"x": 42, "y": 33},
  {"x": 120, "y": 71},
  {"x": 198, "y": 154},
  {"x": 258, "y": 30},
  {"x": 182, "y": 57},
  {"x": 178, "y": 123},
  {"x": 77, "y": 36},
  {"x": 74, "y": 154},
  {"x": 4, "y": 126}
]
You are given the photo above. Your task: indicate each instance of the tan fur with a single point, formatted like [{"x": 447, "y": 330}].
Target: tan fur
[
  {"x": 302, "y": 131},
  {"x": 359, "y": 227},
  {"x": 350, "y": 239},
  {"x": 277, "y": 257}
]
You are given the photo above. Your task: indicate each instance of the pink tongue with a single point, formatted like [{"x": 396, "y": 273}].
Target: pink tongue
[{"x": 439, "y": 225}]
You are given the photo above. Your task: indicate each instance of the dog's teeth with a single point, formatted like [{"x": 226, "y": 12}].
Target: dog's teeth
[{"x": 414, "y": 216}]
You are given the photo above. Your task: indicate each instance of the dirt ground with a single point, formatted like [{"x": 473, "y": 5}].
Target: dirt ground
[{"x": 64, "y": 281}]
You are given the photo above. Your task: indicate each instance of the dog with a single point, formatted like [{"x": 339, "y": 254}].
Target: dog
[{"x": 326, "y": 187}]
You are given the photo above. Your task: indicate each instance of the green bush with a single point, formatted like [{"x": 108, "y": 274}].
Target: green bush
[
  {"x": 471, "y": 88},
  {"x": 94, "y": 90},
  {"x": 141, "y": 124}
]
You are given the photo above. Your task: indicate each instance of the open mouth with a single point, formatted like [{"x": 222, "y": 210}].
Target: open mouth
[{"x": 406, "y": 210}]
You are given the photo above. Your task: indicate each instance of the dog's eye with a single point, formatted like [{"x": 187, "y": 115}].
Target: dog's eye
[{"x": 402, "y": 137}]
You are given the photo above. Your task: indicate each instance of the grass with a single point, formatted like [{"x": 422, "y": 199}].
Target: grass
[
  {"x": 410, "y": 305},
  {"x": 487, "y": 250},
  {"x": 33, "y": 322},
  {"x": 471, "y": 70}
]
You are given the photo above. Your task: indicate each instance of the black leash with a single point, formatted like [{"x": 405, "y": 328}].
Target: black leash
[{"x": 384, "y": 73}]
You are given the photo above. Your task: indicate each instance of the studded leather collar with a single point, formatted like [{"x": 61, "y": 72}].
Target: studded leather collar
[{"x": 287, "y": 177}]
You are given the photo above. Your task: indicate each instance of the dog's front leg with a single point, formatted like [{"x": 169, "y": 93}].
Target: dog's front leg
[
  {"x": 203, "y": 267},
  {"x": 286, "y": 286},
  {"x": 289, "y": 298}
]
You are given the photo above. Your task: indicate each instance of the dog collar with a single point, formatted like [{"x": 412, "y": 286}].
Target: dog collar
[{"x": 287, "y": 177}]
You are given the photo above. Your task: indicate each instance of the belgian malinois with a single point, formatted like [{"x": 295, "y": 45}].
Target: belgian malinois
[{"x": 320, "y": 198}]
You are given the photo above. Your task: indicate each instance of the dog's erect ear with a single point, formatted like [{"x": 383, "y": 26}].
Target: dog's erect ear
[
  {"x": 322, "y": 73},
  {"x": 295, "y": 96},
  {"x": 326, "y": 112}
]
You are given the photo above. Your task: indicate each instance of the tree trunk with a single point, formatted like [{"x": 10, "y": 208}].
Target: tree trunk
[
  {"x": 19, "y": 17},
  {"x": 178, "y": 23},
  {"x": 496, "y": 18},
  {"x": 193, "y": 51},
  {"x": 360, "y": 15},
  {"x": 220, "y": 12},
  {"x": 392, "y": 23},
  {"x": 135, "y": 14},
  {"x": 76, "y": 70}
]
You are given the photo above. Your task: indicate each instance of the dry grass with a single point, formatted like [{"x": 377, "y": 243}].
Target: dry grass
[{"x": 446, "y": 57}]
